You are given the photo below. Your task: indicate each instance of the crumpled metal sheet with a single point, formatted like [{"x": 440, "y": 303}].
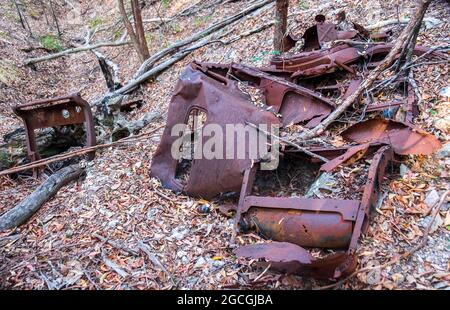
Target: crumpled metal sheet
[
  {"x": 316, "y": 63},
  {"x": 290, "y": 258},
  {"x": 353, "y": 154},
  {"x": 404, "y": 138},
  {"x": 223, "y": 104},
  {"x": 295, "y": 104}
]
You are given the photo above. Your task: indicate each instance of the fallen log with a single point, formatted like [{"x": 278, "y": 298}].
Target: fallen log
[
  {"x": 27, "y": 207},
  {"x": 399, "y": 45}
]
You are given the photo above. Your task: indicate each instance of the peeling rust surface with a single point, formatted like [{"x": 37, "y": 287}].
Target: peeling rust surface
[{"x": 223, "y": 104}]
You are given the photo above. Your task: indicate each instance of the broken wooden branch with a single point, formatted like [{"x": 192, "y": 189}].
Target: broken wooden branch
[
  {"x": 27, "y": 207},
  {"x": 31, "y": 61},
  {"x": 162, "y": 66},
  {"x": 155, "y": 261},
  {"x": 398, "y": 46},
  {"x": 146, "y": 65},
  {"x": 298, "y": 147}
]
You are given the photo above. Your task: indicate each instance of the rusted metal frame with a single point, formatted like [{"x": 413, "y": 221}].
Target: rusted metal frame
[
  {"x": 200, "y": 87},
  {"x": 386, "y": 105},
  {"x": 246, "y": 189},
  {"x": 49, "y": 112},
  {"x": 371, "y": 193},
  {"x": 340, "y": 263},
  {"x": 346, "y": 208}
]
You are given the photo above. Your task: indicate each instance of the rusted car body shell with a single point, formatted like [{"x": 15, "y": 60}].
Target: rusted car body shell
[
  {"x": 295, "y": 104},
  {"x": 59, "y": 111},
  {"x": 223, "y": 104}
]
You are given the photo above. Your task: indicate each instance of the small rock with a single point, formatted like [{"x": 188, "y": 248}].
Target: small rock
[
  {"x": 398, "y": 278},
  {"x": 404, "y": 170},
  {"x": 69, "y": 233},
  {"x": 431, "y": 22},
  {"x": 432, "y": 198},
  {"x": 440, "y": 285},
  {"x": 113, "y": 223},
  {"x": 444, "y": 152},
  {"x": 185, "y": 260},
  {"x": 200, "y": 262}
]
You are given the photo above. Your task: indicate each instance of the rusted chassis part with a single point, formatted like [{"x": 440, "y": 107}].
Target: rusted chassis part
[
  {"x": 318, "y": 223},
  {"x": 59, "y": 111}
]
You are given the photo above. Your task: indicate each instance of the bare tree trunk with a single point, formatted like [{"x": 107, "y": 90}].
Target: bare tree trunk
[
  {"x": 137, "y": 35},
  {"x": 281, "y": 13},
  {"x": 22, "y": 18},
  {"x": 139, "y": 26},
  {"x": 55, "y": 18}
]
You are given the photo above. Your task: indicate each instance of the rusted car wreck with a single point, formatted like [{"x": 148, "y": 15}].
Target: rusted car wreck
[{"x": 291, "y": 96}]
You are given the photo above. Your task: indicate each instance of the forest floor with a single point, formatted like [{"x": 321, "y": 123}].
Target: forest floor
[{"x": 60, "y": 247}]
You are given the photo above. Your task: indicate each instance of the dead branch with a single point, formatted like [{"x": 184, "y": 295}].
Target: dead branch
[
  {"x": 298, "y": 147},
  {"x": 31, "y": 61},
  {"x": 281, "y": 14},
  {"x": 155, "y": 261},
  {"x": 110, "y": 71},
  {"x": 27, "y": 207},
  {"x": 399, "y": 45},
  {"x": 163, "y": 66},
  {"x": 197, "y": 36}
]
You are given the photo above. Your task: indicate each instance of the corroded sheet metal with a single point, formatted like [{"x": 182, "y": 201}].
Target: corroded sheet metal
[
  {"x": 223, "y": 104},
  {"x": 350, "y": 156},
  {"x": 59, "y": 111},
  {"x": 317, "y": 63},
  {"x": 404, "y": 138},
  {"x": 294, "y": 103},
  {"x": 336, "y": 265}
]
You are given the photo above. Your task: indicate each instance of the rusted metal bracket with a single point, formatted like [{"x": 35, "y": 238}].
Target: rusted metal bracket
[{"x": 59, "y": 111}]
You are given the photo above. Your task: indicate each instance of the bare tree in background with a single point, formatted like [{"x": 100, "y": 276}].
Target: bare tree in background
[
  {"x": 136, "y": 33},
  {"x": 281, "y": 13},
  {"x": 22, "y": 18}
]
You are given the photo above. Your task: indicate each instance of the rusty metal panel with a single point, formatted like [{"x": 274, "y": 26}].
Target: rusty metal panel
[
  {"x": 59, "y": 111},
  {"x": 404, "y": 138},
  {"x": 295, "y": 104},
  {"x": 223, "y": 104},
  {"x": 336, "y": 265}
]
